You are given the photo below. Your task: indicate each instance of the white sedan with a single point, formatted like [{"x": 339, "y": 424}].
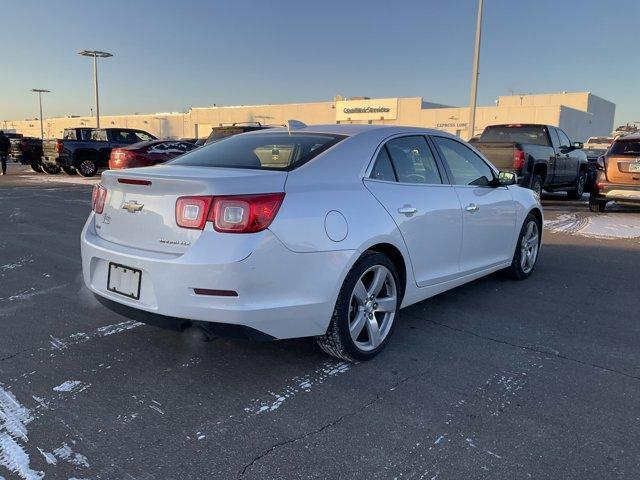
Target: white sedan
[{"x": 323, "y": 231}]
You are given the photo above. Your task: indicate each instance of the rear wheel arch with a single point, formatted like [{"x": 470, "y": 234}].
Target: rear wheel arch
[
  {"x": 395, "y": 255},
  {"x": 540, "y": 169}
]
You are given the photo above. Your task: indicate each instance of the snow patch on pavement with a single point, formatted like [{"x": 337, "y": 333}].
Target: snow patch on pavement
[
  {"x": 72, "y": 386},
  {"x": 14, "y": 419},
  {"x": 607, "y": 226},
  {"x": 81, "y": 337},
  {"x": 66, "y": 453},
  {"x": 296, "y": 385}
]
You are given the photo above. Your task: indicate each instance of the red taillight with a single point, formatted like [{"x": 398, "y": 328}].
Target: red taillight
[
  {"x": 244, "y": 213},
  {"x": 98, "y": 198},
  {"x": 229, "y": 214},
  {"x": 191, "y": 212},
  {"x": 58, "y": 146},
  {"x": 23, "y": 146},
  {"x": 518, "y": 159}
]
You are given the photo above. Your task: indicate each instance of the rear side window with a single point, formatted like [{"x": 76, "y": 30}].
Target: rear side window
[
  {"x": 69, "y": 135},
  {"x": 383, "y": 170},
  {"x": 413, "y": 161},
  {"x": 534, "y": 134},
  {"x": 262, "y": 151},
  {"x": 626, "y": 147}
]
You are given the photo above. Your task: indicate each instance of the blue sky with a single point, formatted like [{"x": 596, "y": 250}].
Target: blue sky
[{"x": 171, "y": 55}]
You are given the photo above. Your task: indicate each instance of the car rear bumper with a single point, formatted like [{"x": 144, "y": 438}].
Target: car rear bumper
[
  {"x": 281, "y": 294},
  {"x": 618, "y": 192}
]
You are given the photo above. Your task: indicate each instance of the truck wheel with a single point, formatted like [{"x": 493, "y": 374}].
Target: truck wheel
[
  {"x": 576, "y": 192},
  {"x": 595, "y": 204},
  {"x": 365, "y": 312},
  {"x": 527, "y": 249},
  {"x": 87, "y": 167},
  {"x": 36, "y": 167},
  {"x": 69, "y": 170},
  {"x": 536, "y": 185},
  {"x": 50, "y": 169}
]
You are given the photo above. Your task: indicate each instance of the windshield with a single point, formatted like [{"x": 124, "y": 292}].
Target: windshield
[
  {"x": 268, "y": 151},
  {"x": 626, "y": 147},
  {"x": 534, "y": 134}
]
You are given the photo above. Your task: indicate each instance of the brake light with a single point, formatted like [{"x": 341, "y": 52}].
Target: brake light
[
  {"x": 518, "y": 159},
  {"x": 600, "y": 163},
  {"x": 98, "y": 198},
  {"x": 245, "y": 213},
  {"x": 191, "y": 212},
  {"x": 23, "y": 145},
  {"x": 134, "y": 181},
  {"x": 58, "y": 146},
  {"x": 229, "y": 214}
]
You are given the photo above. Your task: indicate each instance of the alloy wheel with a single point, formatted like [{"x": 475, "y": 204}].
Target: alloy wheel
[
  {"x": 372, "y": 308},
  {"x": 87, "y": 167},
  {"x": 529, "y": 247}
]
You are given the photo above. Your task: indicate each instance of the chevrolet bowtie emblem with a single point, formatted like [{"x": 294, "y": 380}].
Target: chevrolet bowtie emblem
[{"x": 132, "y": 206}]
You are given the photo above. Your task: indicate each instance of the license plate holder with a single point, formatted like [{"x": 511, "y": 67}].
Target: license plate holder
[{"x": 124, "y": 280}]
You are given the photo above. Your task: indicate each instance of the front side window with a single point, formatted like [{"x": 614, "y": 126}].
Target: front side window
[
  {"x": 264, "y": 151},
  {"x": 142, "y": 136},
  {"x": 413, "y": 161},
  {"x": 466, "y": 166},
  {"x": 564, "y": 140}
]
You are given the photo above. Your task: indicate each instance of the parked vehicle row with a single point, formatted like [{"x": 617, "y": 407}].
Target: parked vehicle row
[
  {"x": 322, "y": 232},
  {"x": 27, "y": 151}
]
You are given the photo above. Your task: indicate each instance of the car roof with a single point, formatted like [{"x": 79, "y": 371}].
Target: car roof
[{"x": 352, "y": 130}]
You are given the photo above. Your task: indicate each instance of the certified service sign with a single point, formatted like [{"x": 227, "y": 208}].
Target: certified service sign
[{"x": 371, "y": 109}]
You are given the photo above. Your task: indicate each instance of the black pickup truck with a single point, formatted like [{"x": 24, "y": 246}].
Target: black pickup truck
[
  {"x": 86, "y": 150},
  {"x": 542, "y": 156},
  {"x": 27, "y": 151}
]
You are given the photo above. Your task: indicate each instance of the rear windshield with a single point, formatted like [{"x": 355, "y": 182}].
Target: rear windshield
[
  {"x": 625, "y": 147},
  {"x": 534, "y": 134},
  {"x": 268, "y": 151}
]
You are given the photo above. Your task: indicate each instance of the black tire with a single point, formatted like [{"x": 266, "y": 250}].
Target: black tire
[
  {"x": 338, "y": 342},
  {"x": 36, "y": 167},
  {"x": 536, "y": 185},
  {"x": 87, "y": 167},
  {"x": 50, "y": 169},
  {"x": 576, "y": 192},
  {"x": 595, "y": 204},
  {"x": 69, "y": 170},
  {"x": 516, "y": 269}
]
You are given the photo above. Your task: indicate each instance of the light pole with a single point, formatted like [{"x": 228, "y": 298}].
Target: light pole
[
  {"x": 40, "y": 91},
  {"x": 474, "y": 75},
  {"x": 95, "y": 54}
]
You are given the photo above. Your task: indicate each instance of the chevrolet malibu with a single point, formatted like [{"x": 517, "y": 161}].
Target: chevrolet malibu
[{"x": 319, "y": 231}]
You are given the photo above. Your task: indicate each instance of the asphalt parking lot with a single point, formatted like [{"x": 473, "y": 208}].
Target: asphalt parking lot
[{"x": 495, "y": 379}]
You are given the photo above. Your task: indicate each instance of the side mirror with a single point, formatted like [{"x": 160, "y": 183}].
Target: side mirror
[
  {"x": 507, "y": 178},
  {"x": 578, "y": 145}
]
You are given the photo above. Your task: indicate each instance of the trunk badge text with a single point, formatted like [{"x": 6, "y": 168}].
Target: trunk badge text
[
  {"x": 174, "y": 242},
  {"x": 132, "y": 206}
]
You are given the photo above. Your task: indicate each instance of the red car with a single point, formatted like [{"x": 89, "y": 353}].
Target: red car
[{"x": 146, "y": 154}]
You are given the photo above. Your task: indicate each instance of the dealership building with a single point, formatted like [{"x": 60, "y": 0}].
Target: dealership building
[{"x": 580, "y": 114}]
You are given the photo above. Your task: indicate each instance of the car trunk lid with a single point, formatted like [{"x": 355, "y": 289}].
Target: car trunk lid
[
  {"x": 139, "y": 210},
  {"x": 623, "y": 169}
]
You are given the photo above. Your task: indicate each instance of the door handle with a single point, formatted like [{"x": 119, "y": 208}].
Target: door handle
[
  {"x": 407, "y": 210},
  {"x": 472, "y": 208}
]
